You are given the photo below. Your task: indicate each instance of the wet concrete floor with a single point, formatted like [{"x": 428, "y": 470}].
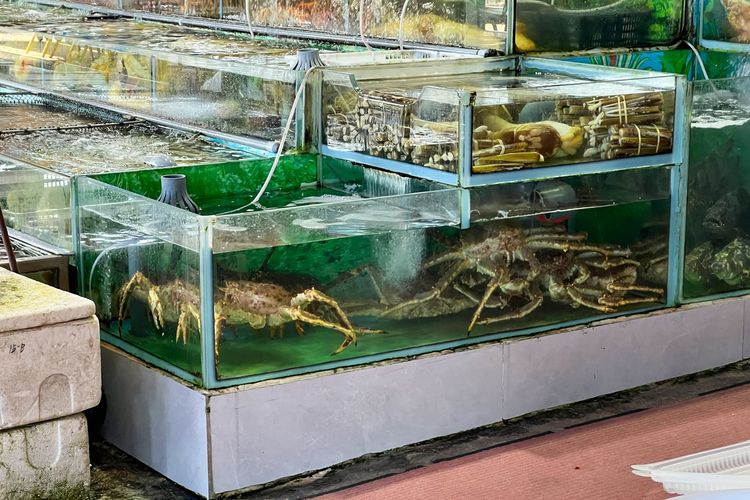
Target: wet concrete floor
[{"x": 117, "y": 476}]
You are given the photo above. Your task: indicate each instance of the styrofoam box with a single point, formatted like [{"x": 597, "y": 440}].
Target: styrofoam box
[
  {"x": 46, "y": 460},
  {"x": 50, "y": 363},
  {"x": 726, "y": 468}
]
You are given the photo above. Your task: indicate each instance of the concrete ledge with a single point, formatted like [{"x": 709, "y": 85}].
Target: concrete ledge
[
  {"x": 49, "y": 371},
  {"x": 226, "y": 440},
  {"x": 47, "y": 460}
]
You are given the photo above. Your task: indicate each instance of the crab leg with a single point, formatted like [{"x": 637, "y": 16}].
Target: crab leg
[
  {"x": 183, "y": 322},
  {"x": 500, "y": 281},
  {"x": 577, "y": 247},
  {"x": 321, "y": 297},
  {"x": 613, "y": 287},
  {"x": 521, "y": 312},
  {"x": 349, "y": 333},
  {"x": 626, "y": 302},
  {"x": 584, "y": 301},
  {"x": 123, "y": 295},
  {"x": 437, "y": 289}
]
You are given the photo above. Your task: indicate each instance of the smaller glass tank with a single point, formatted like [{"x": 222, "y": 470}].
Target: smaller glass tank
[
  {"x": 514, "y": 115},
  {"x": 61, "y": 140},
  {"x": 571, "y": 25},
  {"x": 36, "y": 201},
  {"x": 725, "y": 21},
  {"x": 340, "y": 265},
  {"x": 717, "y": 233}
]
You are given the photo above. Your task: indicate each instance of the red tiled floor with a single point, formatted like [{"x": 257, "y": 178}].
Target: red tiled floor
[{"x": 588, "y": 462}]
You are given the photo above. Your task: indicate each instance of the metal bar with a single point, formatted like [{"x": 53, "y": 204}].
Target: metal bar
[
  {"x": 302, "y": 34},
  {"x": 7, "y": 243},
  {"x": 392, "y": 165},
  {"x": 510, "y": 27},
  {"x": 727, "y": 46},
  {"x": 465, "y": 136},
  {"x": 678, "y": 222},
  {"x": 555, "y": 171},
  {"x": 208, "y": 356},
  {"x": 254, "y": 142},
  {"x": 418, "y": 351},
  {"x": 17, "y": 131}
]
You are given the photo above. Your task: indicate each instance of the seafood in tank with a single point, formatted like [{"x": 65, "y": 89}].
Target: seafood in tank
[
  {"x": 520, "y": 118},
  {"x": 717, "y": 234},
  {"x": 332, "y": 267}
]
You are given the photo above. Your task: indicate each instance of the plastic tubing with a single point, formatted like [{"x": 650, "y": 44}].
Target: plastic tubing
[
  {"x": 362, "y": 24},
  {"x": 401, "y": 25},
  {"x": 247, "y": 18},
  {"x": 280, "y": 151}
]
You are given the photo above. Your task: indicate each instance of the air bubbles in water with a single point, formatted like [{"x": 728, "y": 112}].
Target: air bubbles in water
[
  {"x": 401, "y": 257},
  {"x": 380, "y": 183}
]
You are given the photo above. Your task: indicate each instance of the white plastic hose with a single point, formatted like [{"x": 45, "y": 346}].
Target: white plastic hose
[
  {"x": 247, "y": 18},
  {"x": 362, "y": 24},
  {"x": 280, "y": 151},
  {"x": 401, "y": 25}
]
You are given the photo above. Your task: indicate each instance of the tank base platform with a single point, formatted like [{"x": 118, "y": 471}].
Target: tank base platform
[{"x": 219, "y": 441}]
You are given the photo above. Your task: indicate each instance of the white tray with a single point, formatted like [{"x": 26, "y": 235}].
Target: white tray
[{"x": 723, "y": 468}]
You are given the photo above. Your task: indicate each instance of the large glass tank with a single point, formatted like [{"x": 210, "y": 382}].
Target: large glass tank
[
  {"x": 479, "y": 25},
  {"x": 340, "y": 265},
  {"x": 47, "y": 142},
  {"x": 717, "y": 234},
  {"x": 480, "y": 122},
  {"x": 230, "y": 83},
  {"x": 573, "y": 25},
  {"x": 724, "y": 21}
]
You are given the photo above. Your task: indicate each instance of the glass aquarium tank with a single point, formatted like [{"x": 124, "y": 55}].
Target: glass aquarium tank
[
  {"x": 47, "y": 142},
  {"x": 339, "y": 265},
  {"x": 233, "y": 84},
  {"x": 477, "y": 122},
  {"x": 571, "y": 25},
  {"x": 448, "y": 23},
  {"x": 724, "y": 21},
  {"x": 717, "y": 231},
  {"x": 36, "y": 201}
]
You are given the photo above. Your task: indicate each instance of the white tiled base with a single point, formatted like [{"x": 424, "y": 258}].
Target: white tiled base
[
  {"x": 218, "y": 441},
  {"x": 46, "y": 460}
]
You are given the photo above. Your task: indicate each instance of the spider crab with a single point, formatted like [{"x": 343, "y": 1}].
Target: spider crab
[
  {"x": 256, "y": 303},
  {"x": 506, "y": 262},
  {"x": 595, "y": 281}
]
